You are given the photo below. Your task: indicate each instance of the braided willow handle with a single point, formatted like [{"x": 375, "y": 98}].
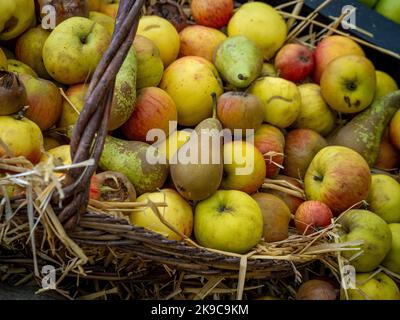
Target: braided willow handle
[{"x": 90, "y": 130}]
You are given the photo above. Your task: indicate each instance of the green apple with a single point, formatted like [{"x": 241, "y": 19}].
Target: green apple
[
  {"x": 385, "y": 84},
  {"x": 368, "y": 227},
  {"x": 377, "y": 287},
  {"x": 19, "y": 67},
  {"x": 74, "y": 48},
  {"x": 3, "y": 60},
  {"x": 105, "y": 20},
  {"x": 29, "y": 49},
  {"x": 348, "y": 83},
  {"x": 339, "y": 177},
  {"x": 15, "y": 17},
  {"x": 384, "y": 198},
  {"x": 392, "y": 260},
  {"x": 229, "y": 220},
  {"x": 390, "y": 9}
]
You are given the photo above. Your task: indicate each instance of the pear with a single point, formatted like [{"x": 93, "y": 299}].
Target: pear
[
  {"x": 131, "y": 158},
  {"x": 239, "y": 61},
  {"x": 364, "y": 132},
  {"x": 200, "y": 178}
]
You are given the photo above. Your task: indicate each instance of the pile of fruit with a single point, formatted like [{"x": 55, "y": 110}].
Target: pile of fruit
[
  {"x": 284, "y": 135},
  {"x": 388, "y": 8}
]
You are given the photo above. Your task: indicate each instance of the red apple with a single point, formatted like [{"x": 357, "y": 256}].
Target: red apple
[
  {"x": 212, "y": 13},
  {"x": 294, "y": 62},
  {"x": 154, "y": 109},
  {"x": 291, "y": 201},
  {"x": 312, "y": 216},
  {"x": 238, "y": 110},
  {"x": 389, "y": 156},
  {"x": 300, "y": 148},
  {"x": 271, "y": 143}
]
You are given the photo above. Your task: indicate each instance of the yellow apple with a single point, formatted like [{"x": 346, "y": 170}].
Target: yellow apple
[
  {"x": 244, "y": 167},
  {"x": 268, "y": 70},
  {"x": 177, "y": 212},
  {"x": 103, "y": 19},
  {"x": 173, "y": 143},
  {"x": 70, "y": 113},
  {"x": 61, "y": 155},
  {"x": 262, "y": 24},
  {"x": 229, "y": 220},
  {"x": 384, "y": 84},
  {"x": 19, "y": 67},
  {"x": 190, "y": 81},
  {"x": 378, "y": 287},
  {"x": 3, "y": 60},
  {"x": 16, "y": 16},
  {"x": 314, "y": 114},
  {"x": 348, "y": 83},
  {"x": 94, "y": 5},
  {"x": 281, "y": 100},
  {"x": 164, "y": 36},
  {"x": 109, "y": 7}
]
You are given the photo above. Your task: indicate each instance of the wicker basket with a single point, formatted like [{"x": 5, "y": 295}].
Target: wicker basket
[{"x": 53, "y": 224}]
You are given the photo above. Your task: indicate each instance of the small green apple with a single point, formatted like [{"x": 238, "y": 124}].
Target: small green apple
[
  {"x": 348, "y": 83},
  {"x": 229, "y": 220},
  {"x": 384, "y": 198},
  {"x": 365, "y": 225},
  {"x": 19, "y": 67},
  {"x": 74, "y": 48},
  {"x": 15, "y": 17},
  {"x": 378, "y": 287},
  {"x": 29, "y": 49},
  {"x": 392, "y": 260},
  {"x": 390, "y": 9},
  {"x": 385, "y": 84}
]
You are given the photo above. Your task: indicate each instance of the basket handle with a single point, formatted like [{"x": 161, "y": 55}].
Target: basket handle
[{"x": 90, "y": 130}]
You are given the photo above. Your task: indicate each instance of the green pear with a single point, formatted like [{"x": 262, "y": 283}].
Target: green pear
[
  {"x": 392, "y": 260},
  {"x": 150, "y": 64},
  {"x": 19, "y": 68},
  {"x": 131, "y": 158},
  {"x": 16, "y": 16},
  {"x": 384, "y": 198},
  {"x": 377, "y": 287},
  {"x": 29, "y": 49},
  {"x": 364, "y": 225},
  {"x": 239, "y": 61},
  {"x": 124, "y": 92}
]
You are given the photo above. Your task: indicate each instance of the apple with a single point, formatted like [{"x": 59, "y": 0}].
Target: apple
[
  {"x": 94, "y": 5},
  {"x": 316, "y": 290},
  {"x": 44, "y": 100},
  {"x": 270, "y": 141},
  {"x": 262, "y": 24},
  {"x": 70, "y": 113},
  {"x": 291, "y": 201},
  {"x": 13, "y": 20},
  {"x": 389, "y": 156},
  {"x": 66, "y": 9},
  {"x": 154, "y": 109},
  {"x": 300, "y": 148},
  {"x": 3, "y": 60},
  {"x": 384, "y": 198},
  {"x": 109, "y": 7},
  {"x": 164, "y": 36},
  {"x": 314, "y": 114},
  {"x": 173, "y": 143},
  {"x": 373, "y": 287},
  {"x": 348, "y": 83},
  {"x": 103, "y": 19},
  {"x": 294, "y": 62},
  {"x": 150, "y": 67},
  {"x": 268, "y": 70},
  {"x": 60, "y": 155},
  {"x": 19, "y": 68},
  {"x": 114, "y": 187},
  {"x": 229, "y": 220},
  {"x": 312, "y": 216},
  {"x": 390, "y": 9},
  {"x": 240, "y": 111},
  {"x": 200, "y": 41},
  {"x": 177, "y": 212},
  {"x": 74, "y": 48},
  {"x": 395, "y": 130},
  {"x": 12, "y": 93},
  {"x": 385, "y": 84},
  {"x": 211, "y": 13},
  {"x": 190, "y": 81},
  {"x": 373, "y": 231},
  {"x": 29, "y": 49},
  {"x": 331, "y": 48},
  {"x": 22, "y": 137},
  {"x": 276, "y": 216},
  {"x": 244, "y": 167},
  {"x": 281, "y": 100},
  {"x": 392, "y": 259},
  {"x": 339, "y": 177}
]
